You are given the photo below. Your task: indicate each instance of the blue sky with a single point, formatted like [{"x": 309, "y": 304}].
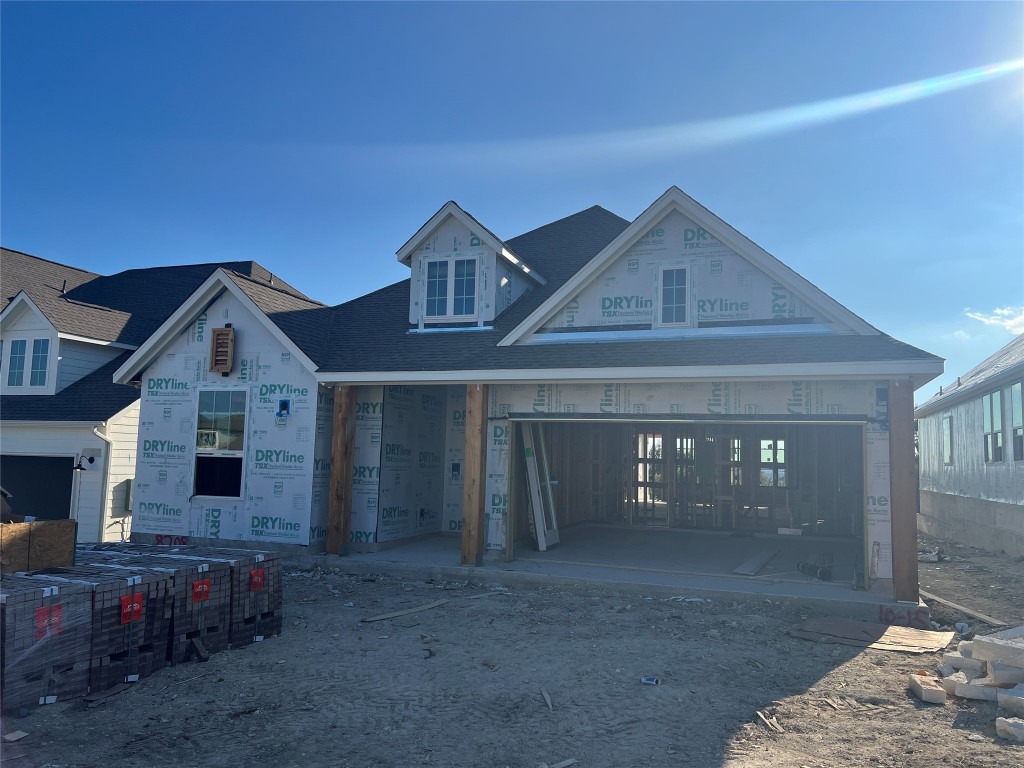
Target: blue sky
[{"x": 316, "y": 138}]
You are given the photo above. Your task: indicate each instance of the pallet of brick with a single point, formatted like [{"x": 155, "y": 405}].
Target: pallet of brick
[
  {"x": 256, "y": 591},
  {"x": 256, "y": 586},
  {"x": 131, "y": 619},
  {"x": 45, "y": 634},
  {"x": 201, "y": 594}
]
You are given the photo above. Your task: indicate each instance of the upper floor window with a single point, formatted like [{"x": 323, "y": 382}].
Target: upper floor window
[
  {"x": 451, "y": 288},
  {"x": 16, "y": 363},
  {"x": 947, "y": 440},
  {"x": 674, "y": 310},
  {"x": 1017, "y": 426},
  {"x": 40, "y": 360},
  {"x": 992, "y": 417}
]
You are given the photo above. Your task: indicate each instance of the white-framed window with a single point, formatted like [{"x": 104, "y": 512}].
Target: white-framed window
[
  {"x": 947, "y": 440},
  {"x": 16, "y": 363},
  {"x": 773, "y": 463},
  {"x": 1017, "y": 422},
  {"x": 992, "y": 417},
  {"x": 220, "y": 442},
  {"x": 451, "y": 288},
  {"x": 40, "y": 360},
  {"x": 674, "y": 292}
]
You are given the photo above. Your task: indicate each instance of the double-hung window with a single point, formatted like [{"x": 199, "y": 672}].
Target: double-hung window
[
  {"x": 16, "y": 363},
  {"x": 1017, "y": 427},
  {"x": 674, "y": 291},
  {"x": 40, "y": 359},
  {"x": 773, "y": 463},
  {"x": 992, "y": 417},
  {"x": 220, "y": 443},
  {"x": 451, "y": 288}
]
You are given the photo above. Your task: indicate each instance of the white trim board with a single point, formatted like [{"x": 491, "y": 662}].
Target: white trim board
[
  {"x": 674, "y": 199},
  {"x": 921, "y": 371}
]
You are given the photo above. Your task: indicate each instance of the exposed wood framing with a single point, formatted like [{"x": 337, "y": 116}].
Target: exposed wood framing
[
  {"x": 473, "y": 475},
  {"x": 903, "y": 490},
  {"x": 339, "y": 512}
]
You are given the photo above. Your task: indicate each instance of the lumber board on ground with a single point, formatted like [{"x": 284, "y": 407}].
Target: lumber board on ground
[{"x": 753, "y": 566}]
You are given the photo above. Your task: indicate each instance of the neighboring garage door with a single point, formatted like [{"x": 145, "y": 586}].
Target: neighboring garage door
[{"x": 40, "y": 485}]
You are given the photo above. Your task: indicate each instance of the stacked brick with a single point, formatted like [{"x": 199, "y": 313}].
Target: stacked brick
[
  {"x": 125, "y": 611},
  {"x": 45, "y": 630},
  {"x": 130, "y": 619}
]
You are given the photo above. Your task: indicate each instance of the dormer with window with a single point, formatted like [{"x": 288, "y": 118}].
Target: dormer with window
[
  {"x": 463, "y": 276},
  {"x": 28, "y": 352}
]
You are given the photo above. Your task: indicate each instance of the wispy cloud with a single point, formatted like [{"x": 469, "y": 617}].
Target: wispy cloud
[
  {"x": 648, "y": 144},
  {"x": 1010, "y": 318},
  {"x": 958, "y": 335}
]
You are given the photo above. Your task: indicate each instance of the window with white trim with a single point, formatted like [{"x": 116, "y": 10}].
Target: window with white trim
[
  {"x": 220, "y": 442},
  {"x": 451, "y": 288},
  {"x": 947, "y": 440},
  {"x": 773, "y": 463},
  {"x": 40, "y": 360},
  {"x": 1017, "y": 425},
  {"x": 992, "y": 417},
  {"x": 674, "y": 309},
  {"x": 16, "y": 363}
]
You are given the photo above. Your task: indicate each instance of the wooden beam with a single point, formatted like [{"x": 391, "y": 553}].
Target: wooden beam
[
  {"x": 474, "y": 485},
  {"x": 339, "y": 512},
  {"x": 903, "y": 490}
]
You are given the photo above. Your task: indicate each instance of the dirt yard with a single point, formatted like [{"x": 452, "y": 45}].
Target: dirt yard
[{"x": 464, "y": 684}]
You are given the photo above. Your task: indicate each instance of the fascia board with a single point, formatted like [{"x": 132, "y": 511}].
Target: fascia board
[
  {"x": 451, "y": 208},
  {"x": 676, "y": 199},
  {"x": 173, "y": 325},
  {"x": 23, "y": 298},
  {"x": 49, "y": 425},
  {"x": 276, "y": 332},
  {"x": 922, "y": 371}
]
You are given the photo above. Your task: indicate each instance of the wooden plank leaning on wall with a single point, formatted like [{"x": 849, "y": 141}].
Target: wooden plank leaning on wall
[{"x": 903, "y": 490}]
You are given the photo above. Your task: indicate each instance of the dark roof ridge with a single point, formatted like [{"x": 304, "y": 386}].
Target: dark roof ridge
[
  {"x": 275, "y": 288},
  {"x": 564, "y": 218}
]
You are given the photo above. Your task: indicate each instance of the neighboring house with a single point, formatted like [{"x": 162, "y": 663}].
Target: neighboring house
[
  {"x": 68, "y": 433},
  {"x": 971, "y": 448},
  {"x": 668, "y": 372}
]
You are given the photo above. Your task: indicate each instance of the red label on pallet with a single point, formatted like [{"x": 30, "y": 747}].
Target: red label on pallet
[
  {"x": 48, "y": 621},
  {"x": 131, "y": 608},
  {"x": 256, "y": 578},
  {"x": 200, "y": 590}
]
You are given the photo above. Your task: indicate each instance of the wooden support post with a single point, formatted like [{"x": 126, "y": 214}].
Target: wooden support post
[
  {"x": 339, "y": 512},
  {"x": 903, "y": 490},
  {"x": 475, "y": 465}
]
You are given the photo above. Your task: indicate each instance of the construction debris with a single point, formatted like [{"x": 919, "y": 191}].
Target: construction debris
[
  {"x": 926, "y": 687},
  {"x": 990, "y": 668},
  {"x": 880, "y": 636}
]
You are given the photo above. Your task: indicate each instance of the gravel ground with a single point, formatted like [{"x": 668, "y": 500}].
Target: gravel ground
[{"x": 467, "y": 683}]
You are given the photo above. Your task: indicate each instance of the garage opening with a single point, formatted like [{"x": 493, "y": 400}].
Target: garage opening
[
  {"x": 40, "y": 486},
  {"x": 793, "y": 481}
]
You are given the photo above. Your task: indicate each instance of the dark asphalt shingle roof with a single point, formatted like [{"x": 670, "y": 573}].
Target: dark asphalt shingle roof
[
  {"x": 1007, "y": 361},
  {"x": 125, "y": 307},
  {"x": 93, "y": 398}
]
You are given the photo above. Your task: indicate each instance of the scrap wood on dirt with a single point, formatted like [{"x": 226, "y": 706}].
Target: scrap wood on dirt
[{"x": 879, "y": 636}]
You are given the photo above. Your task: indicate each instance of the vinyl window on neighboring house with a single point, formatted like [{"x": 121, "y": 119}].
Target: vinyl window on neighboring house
[
  {"x": 947, "y": 440},
  {"x": 674, "y": 307},
  {"x": 1017, "y": 425},
  {"x": 992, "y": 417},
  {"x": 16, "y": 363},
  {"x": 220, "y": 443},
  {"x": 451, "y": 288},
  {"x": 40, "y": 360}
]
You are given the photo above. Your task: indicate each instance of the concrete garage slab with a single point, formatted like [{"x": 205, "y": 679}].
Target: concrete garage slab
[{"x": 666, "y": 563}]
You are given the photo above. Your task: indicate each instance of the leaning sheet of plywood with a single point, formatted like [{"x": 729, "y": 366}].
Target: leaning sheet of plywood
[
  {"x": 37, "y": 545},
  {"x": 753, "y": 566},
  {"x": 880, "y": 636}
]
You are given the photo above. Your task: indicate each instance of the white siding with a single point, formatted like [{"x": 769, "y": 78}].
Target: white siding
[
  {"x": 29, "y": 325},
  {"x": 62, "y": 440},
  {"x": 79, "y": 358},
  {"x": 123, "y": 431}
]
